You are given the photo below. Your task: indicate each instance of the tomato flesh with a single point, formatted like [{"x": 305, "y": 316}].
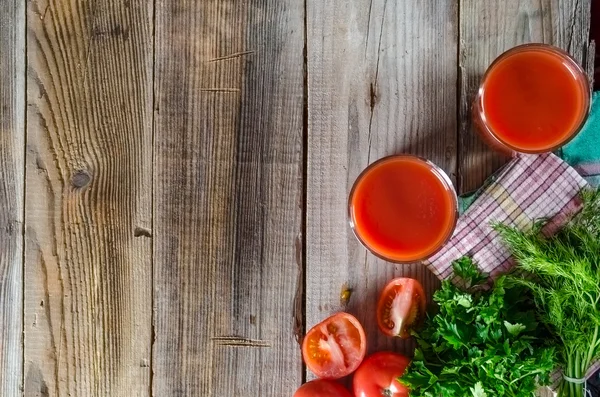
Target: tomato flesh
[
  {"x": 322, "y": 388},
  {"x": 335, "y": 347},
  {"x": 401, "y": 307},
  {"x": 377, "y": 376}
]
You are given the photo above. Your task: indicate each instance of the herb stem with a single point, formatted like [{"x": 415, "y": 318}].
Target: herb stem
[
  {"x": 592, "y": 348},
  {"x": 526, "y": 375}
]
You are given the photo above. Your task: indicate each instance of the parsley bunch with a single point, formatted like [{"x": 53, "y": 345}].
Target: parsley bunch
[
  {"x": 564, "y": 276},
  {"x": 484, "y": 341}
]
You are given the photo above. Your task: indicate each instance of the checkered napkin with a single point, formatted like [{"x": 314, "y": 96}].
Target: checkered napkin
[{"x": 530, "y": 187}]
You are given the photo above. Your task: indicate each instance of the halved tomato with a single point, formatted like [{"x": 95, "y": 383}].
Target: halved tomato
[
  {"x": 378, "y": 376},
  {"x": 335, "y": 347},
  {"x": 401, "y": 307},
  {"x": 322, "y": 388}
]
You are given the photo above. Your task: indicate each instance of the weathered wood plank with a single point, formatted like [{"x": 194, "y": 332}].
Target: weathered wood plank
[
  {"x": 381, "y": 80},
  {"x": 489, "y": 28},
  {"x": 590, "y": 60},
  {"x": 12, "y": 146},
  {"x": 228, "y": 195},
  {"x": 88, "y": 301}
]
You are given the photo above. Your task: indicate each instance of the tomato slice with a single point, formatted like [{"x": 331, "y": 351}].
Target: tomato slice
[
  {"x": 335, "y": 347},
  {"x": 378, "y": 376},
  {"x": 401, "y": 307},
  {"x": 322, "y": 388}
]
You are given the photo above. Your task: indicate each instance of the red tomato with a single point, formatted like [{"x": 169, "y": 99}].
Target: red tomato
[
  {"x": 335, "y": 347},
  {"x": 401, "y": 307},
  {"x": 322, "y": 388},
  {"x": 376, "y": 376}
]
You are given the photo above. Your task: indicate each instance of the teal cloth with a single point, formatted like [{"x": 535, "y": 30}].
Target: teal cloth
[{"x": 582, "y": 153}]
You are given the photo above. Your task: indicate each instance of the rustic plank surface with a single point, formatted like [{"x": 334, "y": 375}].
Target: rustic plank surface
[
  {"x": 161, "y": 159},
  {"x": 12, "y": 133},
  {"x": 88, "y": 303},
  {"x": 228, "y": 197},
  {"x": 486, "y": 30},
  {"x": 381, "y": 80}
]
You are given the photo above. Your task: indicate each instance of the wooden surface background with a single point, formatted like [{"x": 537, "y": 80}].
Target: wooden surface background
[{"x": 174, "y": 175}]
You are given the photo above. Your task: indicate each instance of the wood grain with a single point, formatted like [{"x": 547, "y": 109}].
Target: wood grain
[
  {"x": 88, "y": 301},
  {"x": 486, "y": 30},
  {"x": 228, "y": 195},
  {"x": 12, "y": 145},
  {"x": 381, "y": 80}
]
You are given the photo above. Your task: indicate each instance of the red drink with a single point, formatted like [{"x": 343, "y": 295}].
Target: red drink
[
  {"x": 403, "y": 208},
  {"x": 533, "y": 99}
]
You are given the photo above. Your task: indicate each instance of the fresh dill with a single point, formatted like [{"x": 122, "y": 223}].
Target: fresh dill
[{"x": 563, "y": 273}]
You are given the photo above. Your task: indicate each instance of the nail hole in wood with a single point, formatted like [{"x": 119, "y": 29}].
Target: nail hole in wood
[{"x": 142, "y": 232}]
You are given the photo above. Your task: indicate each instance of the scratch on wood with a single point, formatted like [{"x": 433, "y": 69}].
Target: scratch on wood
[
  {"x": 220, "y": 89},
  {"x": 299, "y": 296},
  {"x": 39, "y": 164},
  {"x": 87, "y": 61},
  {"x": 366, "y": 267},
  {"x": 368, "y": 26},
  {"x": 373, "y": 96},
  {"x": 56, "y": 351},
  {"x": 379, "y": 44},
  {"x": 238, "y": 341},
  {"x": 372, "y": 106},
  {"x": 116, "y": 31},
  {"x": 373, "y": 86},
  {"x": 89, "y": 46},
  {"x": 41, "y": 15},
  {"x": 231, "y": 56},
  {"x": 45, "y": 11}
]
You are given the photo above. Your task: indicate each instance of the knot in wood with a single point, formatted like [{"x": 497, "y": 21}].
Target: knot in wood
[{"x": 81, "y": 179}]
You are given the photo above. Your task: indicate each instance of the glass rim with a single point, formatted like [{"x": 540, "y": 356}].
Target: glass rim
[
  {"x": 573, "y": 65},
  {"x": 441, "y": 176}
]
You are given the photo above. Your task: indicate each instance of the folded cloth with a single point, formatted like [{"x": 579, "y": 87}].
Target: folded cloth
[{"x": 530, "y": 187}]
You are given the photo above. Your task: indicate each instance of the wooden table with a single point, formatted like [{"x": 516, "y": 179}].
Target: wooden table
[{"x": 174, "y": 175}]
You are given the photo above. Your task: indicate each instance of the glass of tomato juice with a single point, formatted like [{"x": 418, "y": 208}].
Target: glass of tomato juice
[
  {"x": 533, "y": 98},
  {"x": 403, "y": 208}
]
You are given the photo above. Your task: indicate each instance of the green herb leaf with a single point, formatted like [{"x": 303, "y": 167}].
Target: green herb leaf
[
  {"x": 514, "y": 329},
  {"x": 481, "y": 342},
  {"x": 478, "y": 390},
  {"x": 466, "y": 269}
]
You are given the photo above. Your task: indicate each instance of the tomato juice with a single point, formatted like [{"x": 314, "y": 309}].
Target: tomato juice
[
  {"x": 403, "y": 208},
  {"x": 533, "y": 99}
]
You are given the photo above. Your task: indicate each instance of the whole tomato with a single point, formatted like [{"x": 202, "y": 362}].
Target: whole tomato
[
  {"x": 322, "y": 388},
  {"x": 376, "y": 376}
]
